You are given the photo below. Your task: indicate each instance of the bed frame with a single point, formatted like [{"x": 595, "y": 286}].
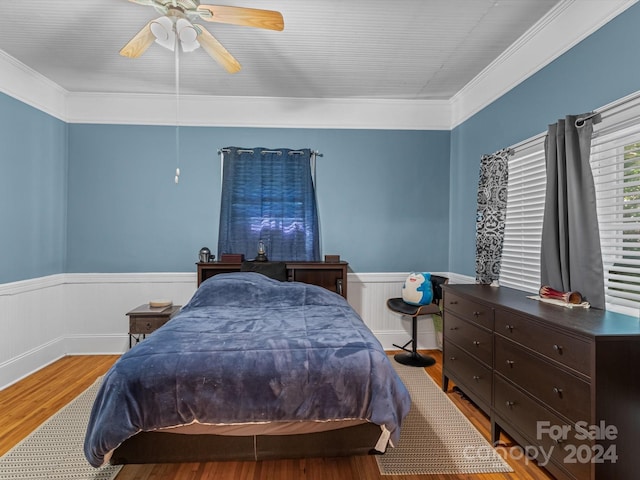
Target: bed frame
[{"x": 158, "y": 447}]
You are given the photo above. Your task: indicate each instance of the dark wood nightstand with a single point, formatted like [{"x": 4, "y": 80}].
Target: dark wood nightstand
[{"x": 145, "y": 319}]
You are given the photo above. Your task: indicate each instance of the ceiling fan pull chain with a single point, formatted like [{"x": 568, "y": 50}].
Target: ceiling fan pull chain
[{"x": 177, "y": 73}]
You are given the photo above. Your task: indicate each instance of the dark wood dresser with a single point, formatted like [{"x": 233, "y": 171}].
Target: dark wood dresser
[
  {"x": 557, "y": 380},
  {"x": 330, "y": 275}
]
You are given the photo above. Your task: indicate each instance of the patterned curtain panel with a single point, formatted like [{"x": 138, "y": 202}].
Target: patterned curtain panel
[
  {"x": 492, "y": 211},
  {"x": 268, "y": 196}
]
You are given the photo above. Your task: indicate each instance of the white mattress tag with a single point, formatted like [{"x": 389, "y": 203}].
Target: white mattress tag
[{"x": 381, "y": 446}]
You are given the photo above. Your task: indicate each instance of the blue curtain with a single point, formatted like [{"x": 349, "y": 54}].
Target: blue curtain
[{"x": 269, "y": 195}]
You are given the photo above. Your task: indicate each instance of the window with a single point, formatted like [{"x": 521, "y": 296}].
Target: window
[
  {"x": 615, "y": 160},
  {"x": 268, "y": 196},
  {"x": 615, "y": 163},
  {"x": 523, "y": 224}
]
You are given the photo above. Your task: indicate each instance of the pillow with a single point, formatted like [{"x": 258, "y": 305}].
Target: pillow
[
  {"x": 275, "y": 270},
  {"x": 417, "y": 289}
]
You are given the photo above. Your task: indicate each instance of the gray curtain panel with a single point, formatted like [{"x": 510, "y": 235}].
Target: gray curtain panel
[
  {"x": 491, "y": 215},
  {"x": 570, "y": 257}
]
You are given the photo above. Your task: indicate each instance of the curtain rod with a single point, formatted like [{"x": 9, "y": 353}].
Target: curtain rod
[
  {"x": 536, "y": 138},
  {"x": 621, "y": 104},
  {"x": 618, "y": 103},
  {"x": 315, "y": 153},
  {"x": 597, "y": 118}
]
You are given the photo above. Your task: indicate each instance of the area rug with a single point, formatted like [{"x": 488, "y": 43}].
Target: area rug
[
  {"x": 436, "y": 438},
  {"x": 54, "y": 450}
]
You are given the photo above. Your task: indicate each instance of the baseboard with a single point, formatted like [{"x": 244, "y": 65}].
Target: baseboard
[
  {"x": 24, "y": 365},
  {"x": 112, "y": 344},
  {"x": 19, "y": 367}
]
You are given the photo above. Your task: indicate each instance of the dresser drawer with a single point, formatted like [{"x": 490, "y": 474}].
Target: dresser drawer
[
  {"x": 474, "y": 339},
  {"x": 562, "y": 391},
  {"x": 570, "y": 351},
  {"x": 524, "y": 414},
  {"x": 147, "y": 325},
  {"x": 469, "y": 310},
  {"x": 466, "y": 372}
]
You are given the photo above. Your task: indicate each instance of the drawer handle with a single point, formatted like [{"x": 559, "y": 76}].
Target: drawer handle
[
  {"x": 148, "y": 325},
  {"x": 453, "y": 302},
  {"x": 476, "y": 377},
  {"x": 453, "y": 328},
  {"x": 509, "y": 327},
  {"x": 510, "y": 363},
  {"x": 558, "y": 348},
  {"x": 477, "y": 314},
  {"x": 452, "y": 358},
  {"x": 476, "y": 343},
  {"x": 557, "y": 391},
  {"x": 509, "y": 404}
]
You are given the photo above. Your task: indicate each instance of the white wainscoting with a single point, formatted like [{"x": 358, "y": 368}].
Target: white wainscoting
[
  {"x": 46, "y": 318},
  {"x": 368, "y": 294},
  {"x": 32, "y": 326}
]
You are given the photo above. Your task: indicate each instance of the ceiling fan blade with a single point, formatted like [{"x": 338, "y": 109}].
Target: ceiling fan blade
[
  {"x": 249, "y": 17},
  {"x": 214, "y": 48},
  {"x": 138, "y": 44}
]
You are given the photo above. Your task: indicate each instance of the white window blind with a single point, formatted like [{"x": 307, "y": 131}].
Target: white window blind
[
  {"x": 525, "y": 208},
  {"x": 615, "y": 163}
]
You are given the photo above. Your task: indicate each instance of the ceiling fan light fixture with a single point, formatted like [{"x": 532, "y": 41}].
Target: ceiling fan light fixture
[
  {"x": 162, "y": 29},
  {"x": 187, "y": 35},
  {"x": 189, "y": 47}
]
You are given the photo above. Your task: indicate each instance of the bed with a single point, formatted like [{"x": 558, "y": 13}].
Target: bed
[{"x": 251, "y": 368}]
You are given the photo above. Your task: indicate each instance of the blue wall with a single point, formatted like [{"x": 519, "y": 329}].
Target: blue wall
[
  {"x": 101, "y": 198},
  {"x": 602, "y": 68},
  {"x": 382, "y": 195},
  {"x": 33, "y": 179}
]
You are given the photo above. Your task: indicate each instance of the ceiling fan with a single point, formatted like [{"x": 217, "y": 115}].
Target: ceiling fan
[{"x": 176, "y": 26}]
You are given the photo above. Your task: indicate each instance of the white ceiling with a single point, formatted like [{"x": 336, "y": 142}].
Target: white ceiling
[
  {"x": 402, "y": 49},
  {"x": 402, "y": 64}
]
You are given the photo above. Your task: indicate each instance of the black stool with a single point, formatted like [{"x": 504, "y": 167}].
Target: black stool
[{"x": 398, "y": 305}]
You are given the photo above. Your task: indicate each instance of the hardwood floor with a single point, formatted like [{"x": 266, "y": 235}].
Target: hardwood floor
[{"x": 28, "y": 403}]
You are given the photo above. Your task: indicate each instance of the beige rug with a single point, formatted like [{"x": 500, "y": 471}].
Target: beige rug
[
  {"x": 54, "y": 450},
  {"x": 436, "y": 438}
]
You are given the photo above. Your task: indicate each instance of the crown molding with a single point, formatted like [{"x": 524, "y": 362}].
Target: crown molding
[
  {"x": 563, "y": 27},
  {"x": 30, "y": 87},
  {"x": 198, "y": 110}
]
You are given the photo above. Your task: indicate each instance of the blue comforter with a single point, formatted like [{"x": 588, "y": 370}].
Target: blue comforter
[{"x": 247, "y": 348}]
